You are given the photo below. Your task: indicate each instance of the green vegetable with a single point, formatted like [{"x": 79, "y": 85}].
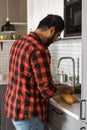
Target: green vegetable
[{"x": 77, "y": 88}]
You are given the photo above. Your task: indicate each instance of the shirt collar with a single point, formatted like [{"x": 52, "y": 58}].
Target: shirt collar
[{"x": 37, "y": 38}]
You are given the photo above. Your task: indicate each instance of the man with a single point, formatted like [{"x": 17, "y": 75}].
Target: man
[{"x": 30, "y": 82}]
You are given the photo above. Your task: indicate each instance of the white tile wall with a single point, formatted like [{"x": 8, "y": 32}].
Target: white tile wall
[
  {"x": 4, "y": 56},
  {"x": 70, "y": 47},
  {"x": 64, "y": 48}
]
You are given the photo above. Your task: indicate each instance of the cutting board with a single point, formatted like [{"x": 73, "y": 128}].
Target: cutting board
[{"x": 59, "y": 99}]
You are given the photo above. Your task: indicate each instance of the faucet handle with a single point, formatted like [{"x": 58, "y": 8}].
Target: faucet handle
[{"x": 65, "y": 77}]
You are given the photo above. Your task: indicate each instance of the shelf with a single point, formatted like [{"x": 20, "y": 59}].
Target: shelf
[
  {"x": 19, "y": 23},
  {"x": 9, "y": 40},
  {"x": 8, "y": 32}
]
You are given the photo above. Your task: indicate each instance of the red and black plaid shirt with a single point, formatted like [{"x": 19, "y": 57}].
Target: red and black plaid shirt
[{"x": 29, "y": 83}]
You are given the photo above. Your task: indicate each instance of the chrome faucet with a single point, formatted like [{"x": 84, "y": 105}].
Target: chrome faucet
[{"x": 73, "y": 66}]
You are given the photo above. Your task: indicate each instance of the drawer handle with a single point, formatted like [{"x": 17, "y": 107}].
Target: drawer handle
[
  {"x": 82, "y": 128},
  {"x": 83, "y": 105},
  {"x": 59, "y": 113}
]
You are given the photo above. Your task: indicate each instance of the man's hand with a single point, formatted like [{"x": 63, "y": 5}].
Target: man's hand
[{"x": 62, "y": 88}]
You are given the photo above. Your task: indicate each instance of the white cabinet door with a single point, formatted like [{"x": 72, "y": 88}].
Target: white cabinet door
[
  {"x": 62, "y": 121},
  {"x": 38, "y": 9},
  {"x": 84, "y": 62},
  {"x": 56, "y": 7}
]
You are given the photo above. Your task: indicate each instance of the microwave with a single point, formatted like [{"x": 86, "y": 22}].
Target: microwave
[{"x": 72, "y": 17}]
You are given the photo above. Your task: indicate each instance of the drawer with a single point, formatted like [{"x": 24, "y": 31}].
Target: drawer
[{"x": 62, "y": 121}]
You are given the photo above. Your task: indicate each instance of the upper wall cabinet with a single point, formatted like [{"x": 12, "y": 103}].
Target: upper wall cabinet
[{"x": 38, "y": 9}]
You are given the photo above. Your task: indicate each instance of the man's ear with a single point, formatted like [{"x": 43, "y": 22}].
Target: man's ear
[{"x": 52, "y": 30}]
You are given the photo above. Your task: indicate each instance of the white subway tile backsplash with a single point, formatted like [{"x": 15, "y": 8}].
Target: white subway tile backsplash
[
  {"x": 4, "y": 57},
  {"x": 66, "y": 48}
]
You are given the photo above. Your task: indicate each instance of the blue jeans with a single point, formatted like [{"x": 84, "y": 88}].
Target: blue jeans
[{"x": 29, "y": 124}]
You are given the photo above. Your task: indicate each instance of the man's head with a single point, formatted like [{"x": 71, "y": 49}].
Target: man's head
[{"x": 52, "y": 25}]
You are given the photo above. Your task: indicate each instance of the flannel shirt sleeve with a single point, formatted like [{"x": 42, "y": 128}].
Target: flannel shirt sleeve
[{"x": 40, "y": 61}]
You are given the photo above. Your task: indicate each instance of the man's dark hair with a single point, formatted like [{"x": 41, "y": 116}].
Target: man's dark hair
[{"x": 52, "y": 20}]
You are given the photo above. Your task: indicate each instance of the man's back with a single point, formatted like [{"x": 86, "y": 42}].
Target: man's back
[{"x": 23, "y": 95}]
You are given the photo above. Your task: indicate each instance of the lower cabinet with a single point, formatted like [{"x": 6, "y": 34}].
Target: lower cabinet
[
  {"x": 59, "y": 120},
  {"x": 5, "y": 124}
]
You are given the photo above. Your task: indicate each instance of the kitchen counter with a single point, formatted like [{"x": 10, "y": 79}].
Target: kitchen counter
[
  {"x": 3, "y": 82},
  {"x": 72, "y": 110}
]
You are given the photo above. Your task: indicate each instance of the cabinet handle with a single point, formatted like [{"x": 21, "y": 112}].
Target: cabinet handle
[
  {"x": 59, "y": 113},
  {"x": 83, "y": 104},
  {"x": 82, "y": 128}
]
